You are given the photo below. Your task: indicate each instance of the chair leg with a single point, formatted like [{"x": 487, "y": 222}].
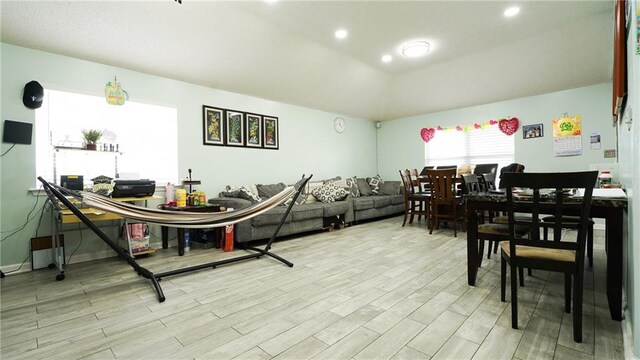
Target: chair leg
[
  {"x": 480, "y": 251},
  {"x": 545, "y": 233},
  {"x": 406, "y": 212},
  {"x": 590, "y": 245},
  {"x": 419, "y": 210},
  {"x": 503, "y": 278},
  {"x": 577, "y": 308},
  {"x": 514, "y": 297},
  {"x": 567, "y": 293},
  {"x": 489, "y": 249},
  {"x": 529, "y": 272},
  {"x": 521, "y": 276}
]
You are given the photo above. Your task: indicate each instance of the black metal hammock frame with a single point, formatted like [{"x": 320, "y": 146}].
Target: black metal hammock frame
[{"x": 202, "y": 220}]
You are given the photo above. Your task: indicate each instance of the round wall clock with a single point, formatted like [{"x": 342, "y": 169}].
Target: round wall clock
[{"x": 338, "y": 124}]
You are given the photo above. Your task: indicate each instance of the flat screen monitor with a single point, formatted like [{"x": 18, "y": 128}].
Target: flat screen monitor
[{"x": 16, "y": 132}]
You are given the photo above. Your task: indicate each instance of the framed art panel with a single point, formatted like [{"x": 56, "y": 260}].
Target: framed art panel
[
  {"x": 235, "y": 128},
  {"x": 254, "y": 132},
  {"x": 532, "y": 131},
  {"x": 271, "y": 132},
  {"x": 213, "y": 125}
]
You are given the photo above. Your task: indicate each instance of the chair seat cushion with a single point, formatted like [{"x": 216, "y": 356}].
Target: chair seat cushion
[
  {"x": 505, "y": 219},
  {"x": 502, "y": 229},
  {"x": 533, "y": 252}
]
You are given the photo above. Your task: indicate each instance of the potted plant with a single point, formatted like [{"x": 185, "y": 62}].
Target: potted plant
[{"x": 91, "y": 137}]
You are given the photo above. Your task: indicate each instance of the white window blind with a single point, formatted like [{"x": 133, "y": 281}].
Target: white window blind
[
  {"x": 485, "y": 146},
  {"x": 145, "y": 136}
]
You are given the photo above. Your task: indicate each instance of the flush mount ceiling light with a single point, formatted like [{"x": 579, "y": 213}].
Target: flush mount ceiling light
[
  {"x": 512, "y": 11},
  {"x": 386, "y": 58},
  {"x": 340, "y": 34},
  {"x": 415, "y": 48}
]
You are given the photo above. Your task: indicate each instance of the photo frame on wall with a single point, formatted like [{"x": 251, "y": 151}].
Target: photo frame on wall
[
  {"x": 254, "y": 133},
  {"x": 270, "y": 139},
  {"x": 213, "y": 125},
  {"x": 532, "y": 131},
  {"x": 235, "y": 128}
]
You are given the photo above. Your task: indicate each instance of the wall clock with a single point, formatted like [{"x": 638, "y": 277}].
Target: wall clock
[{"x": 338, "y": 124}]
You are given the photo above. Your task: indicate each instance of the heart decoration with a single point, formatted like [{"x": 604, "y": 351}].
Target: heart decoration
[
  {"x": 492, "y": 122},
  {"x": 477, "y": 126},
  {"x": 427, "y": 134},
  {"x": 459, "y": 128},
  {"x": 508, "y": 126},
  {"x": 439, "y": 128}
]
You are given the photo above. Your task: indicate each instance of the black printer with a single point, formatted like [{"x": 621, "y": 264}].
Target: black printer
[{"x": 133, "y": 188}]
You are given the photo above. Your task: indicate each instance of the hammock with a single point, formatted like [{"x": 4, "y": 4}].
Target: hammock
[{"x": 174, "y": 219}]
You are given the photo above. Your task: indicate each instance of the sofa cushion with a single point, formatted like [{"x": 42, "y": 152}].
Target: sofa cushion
[
  {"x": 363, "y": 203},
  {"x": 329, "y": 192},
  {"x": 308, "y": 211},
  {"x": 381, "y": 201},
  {"x": 363, "y": 187},
  {"x": 397, "y": 199},
  {"x": 390, "y": 188},
  {"x": 267, "y": 191},
  {"x": 335, "y": 208},
  {"x": 374, "y": 183},
  {"x": 271, "y": 217}
]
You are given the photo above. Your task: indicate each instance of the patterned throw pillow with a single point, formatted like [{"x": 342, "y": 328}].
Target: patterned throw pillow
[
  {"x": 311, "y": 186},
  {"x": 374, "y": 183},
  {"x": 352, "y": 184},
  {"x": 329, "y": 192},
  {"x": 302, "y": 198},
  {"x": 242, "y": 192}
]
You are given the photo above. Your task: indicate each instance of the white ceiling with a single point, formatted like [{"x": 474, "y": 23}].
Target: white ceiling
[{"x": 285, "y": 51}]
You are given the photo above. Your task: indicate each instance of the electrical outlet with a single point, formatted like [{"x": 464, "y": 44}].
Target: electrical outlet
[{"x": 609, "y": 154}]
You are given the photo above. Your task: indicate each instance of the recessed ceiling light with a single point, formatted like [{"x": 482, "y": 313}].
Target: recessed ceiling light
[
  {"x": 512, "y": 11},
  {"x": 341, "y": 34},
  {"x": 415, "y": 48},
  {"x": 386, "y": 58}
]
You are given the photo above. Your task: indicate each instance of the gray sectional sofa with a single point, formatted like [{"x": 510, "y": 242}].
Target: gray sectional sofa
[{"x": 315, "y": 215}]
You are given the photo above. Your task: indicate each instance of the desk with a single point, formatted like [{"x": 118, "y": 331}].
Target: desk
[
  {"x": 610, "y": 209},
  {"x": 165, "y": 229}
]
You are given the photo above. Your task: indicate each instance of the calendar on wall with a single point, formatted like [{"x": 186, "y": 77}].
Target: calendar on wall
[{"x": 567, "y": 135}]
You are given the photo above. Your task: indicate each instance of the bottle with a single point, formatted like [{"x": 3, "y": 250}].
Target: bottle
[
  {"x": 181, "y": 197},
  {"x": 187, "y": 240}
]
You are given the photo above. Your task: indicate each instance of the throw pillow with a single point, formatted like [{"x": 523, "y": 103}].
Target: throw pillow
[
  {"x": 331, "y": 179},
  {"x": 352, "y": 185},
  {"x": 241, "y": 192},
  {"x": 302, "y": 198},
  {"x": 390, "y": 188},
  {"x": 329, "y": 192},
  {"x": 311, "y": 186},
  {"x": 363, "y": 187},
  {"x": 374, "y": 183},
  {"x": 267, "y": 191}
]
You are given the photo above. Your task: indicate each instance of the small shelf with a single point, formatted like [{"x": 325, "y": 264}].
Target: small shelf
[
  {"x": 71, "y": 148},
  {"x": 145, "y": 252}
]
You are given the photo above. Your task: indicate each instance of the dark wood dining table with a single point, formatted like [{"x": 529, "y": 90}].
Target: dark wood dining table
[{"x": 611, "y": 209}]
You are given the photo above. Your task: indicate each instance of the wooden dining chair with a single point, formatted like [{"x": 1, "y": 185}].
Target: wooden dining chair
[
  {"x": 415, "y": 203},
  {"x": 446, "y": 205},
  {"x": 481, "y": 169},
  {"x": 470, "y": 184},
  {"x": 566, "y": 256},
  {"x": 488, "y": 181},
  {"x": 570, "y": 222}
]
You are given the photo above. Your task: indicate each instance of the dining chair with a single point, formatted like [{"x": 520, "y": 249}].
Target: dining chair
[
  {"x": 471, "y": 184},
  {"x": 481, "y": 169},
  {"x": 563, "y": 254},
  {"x": 446, "y": 167},
  {"x": 570, "y": 223},
  {"x": 415, "y": 203},
  {"x": 424, "y": 170},
  {"x": 446, "y": 205},
  {"x": 488, "y": 181}
]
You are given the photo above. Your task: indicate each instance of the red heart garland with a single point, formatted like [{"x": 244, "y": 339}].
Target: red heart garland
[
  {"x": 492, "y": 122},
  {"x": 508, "y": 126},
  {"x": 440, "y": 128},
  {"x": 427, "y": 134},
  {"x": 476, "y": 126},
  {"x": 459, "y": 128}
]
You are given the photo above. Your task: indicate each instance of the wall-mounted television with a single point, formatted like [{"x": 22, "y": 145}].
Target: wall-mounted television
[{"x": 16, "y": 132}]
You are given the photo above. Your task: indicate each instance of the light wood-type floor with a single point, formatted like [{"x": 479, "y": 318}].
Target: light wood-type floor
[{"x": 371, "y": 291}]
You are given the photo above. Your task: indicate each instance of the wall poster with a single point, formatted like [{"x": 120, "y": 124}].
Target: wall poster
[{"x": 567, "y": 135}]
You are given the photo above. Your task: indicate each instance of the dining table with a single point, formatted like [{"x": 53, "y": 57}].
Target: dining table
[{"x": 603, "y": 205}]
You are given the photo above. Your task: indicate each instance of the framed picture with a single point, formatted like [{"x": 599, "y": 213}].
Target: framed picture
[
  {"x": 271, "y": 132},
  {"x": 235, "y": 128},
  {"x": 254, "y": 133},
  {"x": 532, "y": 131},
  {"x": 213, "y": 125}
]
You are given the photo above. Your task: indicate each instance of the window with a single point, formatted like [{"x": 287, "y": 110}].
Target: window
[
  {"x": 145, "y": 137},
  {"x": 485, "y": 146}
]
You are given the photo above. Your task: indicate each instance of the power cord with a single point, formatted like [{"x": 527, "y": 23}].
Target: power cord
[
  {"x": 36, "y": 235},
  {"x": 20, "y": 228},
  {"x": 5, "y": 153},
  {"x": 77, "y": 247}
]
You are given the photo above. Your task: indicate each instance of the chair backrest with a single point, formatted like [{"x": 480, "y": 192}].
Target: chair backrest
[
  {"x": 513, "y": 167},
  {"x": 443, "y": 189},
  {"x": 488, "y": 181},
  {"x": 446, "y": 167},
  {"x": 424, "y": 170},
  {"x": 547, "y": 196},
  {"x": 406, "y": 182},
  {"x": 471, "y": 184},
  {"x": 485, "y": 169}
]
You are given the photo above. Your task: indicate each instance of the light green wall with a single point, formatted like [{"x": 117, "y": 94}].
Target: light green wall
[
  {"x": 308, "y": 143},
  {"x": 629, "y": 140},
  {"x": 400, "y": 145}
]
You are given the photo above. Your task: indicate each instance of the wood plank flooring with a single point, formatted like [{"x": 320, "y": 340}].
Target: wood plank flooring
[{"x": 371, "y": 291}]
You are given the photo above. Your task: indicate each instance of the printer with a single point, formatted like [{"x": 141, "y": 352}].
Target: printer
[{"x": 133, "y": 188}]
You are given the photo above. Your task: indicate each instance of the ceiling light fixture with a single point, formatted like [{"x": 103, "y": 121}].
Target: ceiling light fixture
[
  {"x": 341, "y": 34},
  {"x": 512, "y": 11},
  {"x": 386, "y": 58},
  {"x": 415, "y": 48}
]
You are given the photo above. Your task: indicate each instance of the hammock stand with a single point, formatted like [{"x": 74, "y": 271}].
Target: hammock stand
[{"x": 54, "y": 193}]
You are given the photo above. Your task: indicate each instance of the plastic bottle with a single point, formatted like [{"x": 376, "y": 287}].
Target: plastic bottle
[
  {"x": 169, "y": 193},
  {"x": 605, "y": 178},
  {"x": 187, "y": 240},
  {"x": 181, "y": 197}
]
